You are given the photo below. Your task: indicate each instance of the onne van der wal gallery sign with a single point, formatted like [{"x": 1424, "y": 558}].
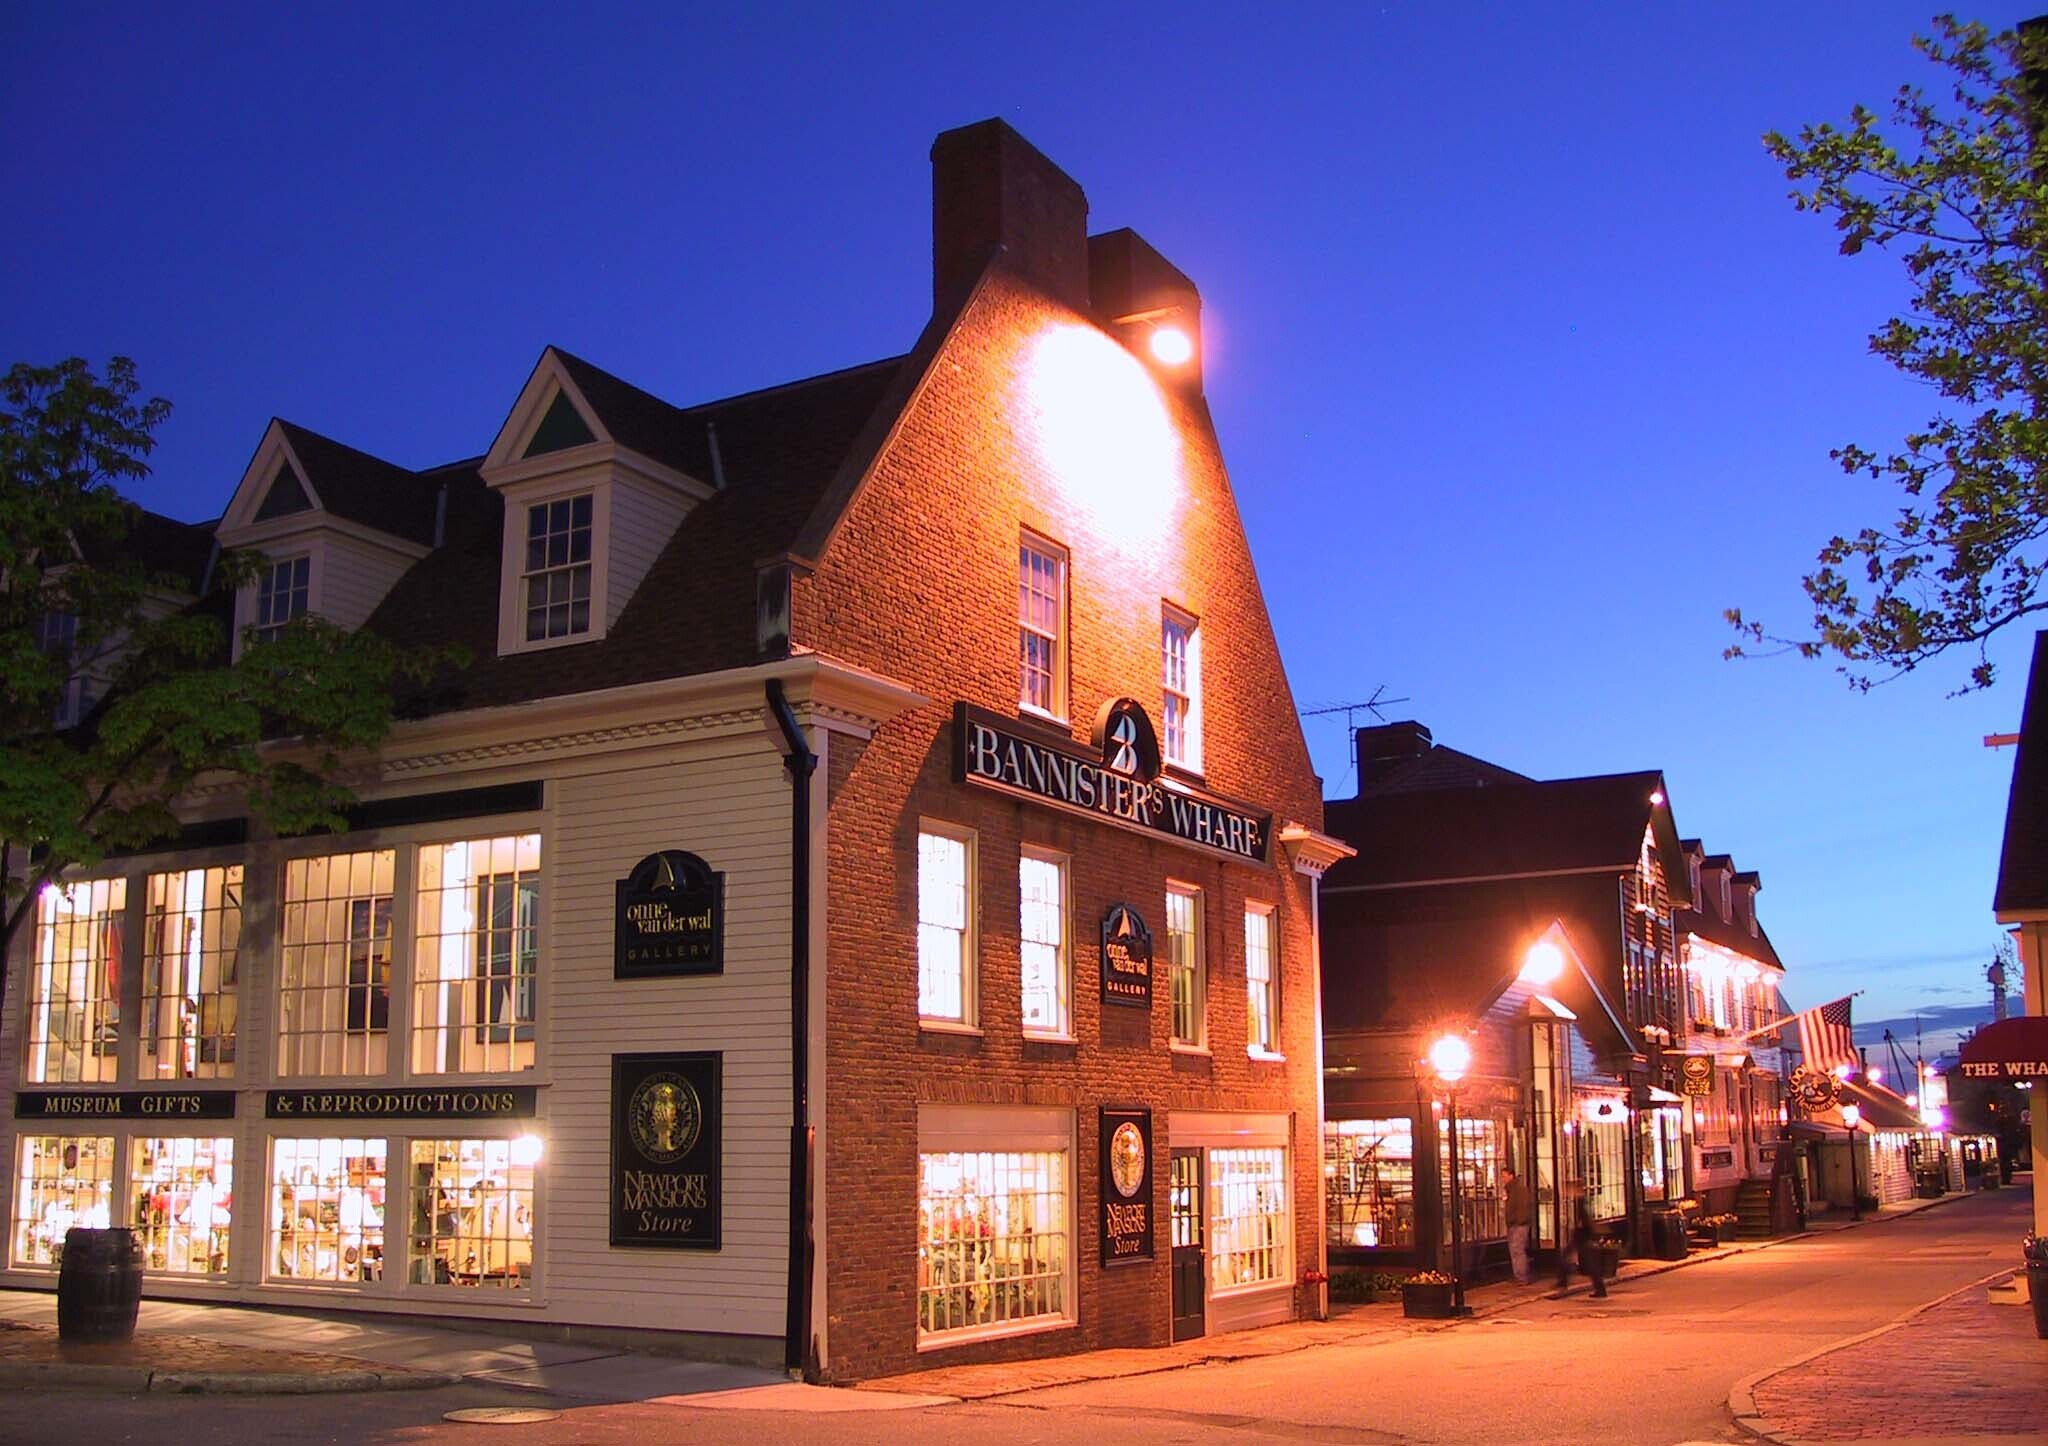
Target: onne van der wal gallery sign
[
  {"x": 991, "y": 751},
  {"x": 125, "y": 1105},
  {"x": 1126, "y": 958},
  {"x": 1126, "y": 1185},
  {"x": 665, "y": 1150},
  {"x": 670, "y": 918},
  {"x": 479, "y": 1102}
]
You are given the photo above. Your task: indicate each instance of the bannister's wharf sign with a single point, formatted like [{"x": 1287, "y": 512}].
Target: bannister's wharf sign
[
  {"x": 1116, "y": 784},
  {"x": 481, "y": 1102},
  {"x": 125, "y": 1104}
]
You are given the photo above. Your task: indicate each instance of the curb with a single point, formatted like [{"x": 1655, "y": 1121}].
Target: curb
[
  {"x": 1742, "y": 1395},
  {"x": 136, "y": 1380}
]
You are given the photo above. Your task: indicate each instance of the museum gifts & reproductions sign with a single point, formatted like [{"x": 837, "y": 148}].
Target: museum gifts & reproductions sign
[{"x": 665, "y": 1150}]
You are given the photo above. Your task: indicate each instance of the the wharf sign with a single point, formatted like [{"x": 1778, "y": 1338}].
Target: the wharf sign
[{"x": 991, "y": 751}]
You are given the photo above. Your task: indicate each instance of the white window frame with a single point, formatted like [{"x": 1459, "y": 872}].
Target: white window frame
[
  {"x": 415, "y": 980},
  {"x": 1062, "y": 1027},
  {"x": 1189, "y": 757},
  {"x": 260, "y": 632},
  {"x": 1199, "y": 1044},
  {"x": 1268, "y": 917},
  {"x": 593, "y": 481},
  {"x": 568, "y": 568},
  {"x": 1029, "y": 543},
  {"x": 970, "y": 930}
]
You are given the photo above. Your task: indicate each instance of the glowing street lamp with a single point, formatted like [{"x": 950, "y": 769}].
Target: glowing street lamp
[
  {"x": 1543, "y": 964},
  {"x": 1852, "y": 1116},
  {"x": 1450, "y": 1057},
  {"x": 1171, "y": 346}
]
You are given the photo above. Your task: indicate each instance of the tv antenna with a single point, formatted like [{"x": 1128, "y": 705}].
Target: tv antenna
[{"x": 1373, "y": 706}]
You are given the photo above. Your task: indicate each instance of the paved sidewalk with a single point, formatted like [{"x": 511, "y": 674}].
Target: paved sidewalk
[{"x": 33, "y": 1356}]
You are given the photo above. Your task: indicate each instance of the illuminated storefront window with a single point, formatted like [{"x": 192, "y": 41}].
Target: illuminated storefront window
[
  {"x": 60, "y": 1181},
  {"x": 476, "y": 966},
  {"x": 191, "y": 941},
  {"x": 992, "y": 1240},
  {"x": 473, "y": 1213},
  {"x": 1262, "y": 988},
  {"x": 74, "y": 1006},
  {"x": 1248, "y": 1219},
  {"x": 183, "y": 1190},
  {"x": 1042, "y": 942},
  {"x": 334, "y": 997},
  {"x": 945, "y": 902},
  {"x": 1482, "y": 1197},
  {"x": 1603, "y": 1139},
  {"x": 327, "y": 1211},
  {"x": 1369, "y": 1173}
]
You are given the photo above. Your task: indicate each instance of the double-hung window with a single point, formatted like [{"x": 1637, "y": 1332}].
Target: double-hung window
[
  {"x": 945, "y": 918},
  {"x": 1261, "y": 982},
  {"x": 191, "y": 950},
  {"x": 1184, "y": 964},
  {"x": 1042, "y": 626},
  {"x": 1180, "y": 651},
  {"x": 283, "y": 590},
  {"x": 74, "y": 1005},
  {"x": 1042, "y": 942},
  {"x": 556, "y": 578},
  {"x": 476, "y": 959},
  {"x": 334, "y": 965}
]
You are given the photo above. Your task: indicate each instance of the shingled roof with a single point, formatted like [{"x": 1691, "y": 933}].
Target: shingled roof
[
  {"x": 2023, "y": 861},
  {"x": 362, "y": 488}
]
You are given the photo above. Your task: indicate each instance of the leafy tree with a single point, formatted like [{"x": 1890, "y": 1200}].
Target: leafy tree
[
  {"x": 278, "y": 724},
  {"x": 1956, "y": 190}
]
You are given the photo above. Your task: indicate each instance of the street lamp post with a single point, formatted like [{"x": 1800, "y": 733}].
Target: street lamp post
[
  {"x": 1852, "y": 1115},
  {"x": 1450, "y": 1057}
]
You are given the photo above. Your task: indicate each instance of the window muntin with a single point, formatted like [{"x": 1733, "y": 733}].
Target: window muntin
[
  {"x": 1484, "y": 1147},
  {"x": 283, "y": 590},
  {"x": 334, "y": 995},
  {"x": 476, "y": 965},
  {"x": 945, "y": 901},
  {"x": 183, "y": 1190},
  {"x": 1248, "y": 1219},
  {"x": 1605, "y": 1143},
  {"x": 993, "y": 1230},
  {"x": 326, "y": 1211},
  {"x": 60, "y": 1181},
  {"x": 555, "y": 582},
  {"x": 191, "y": 942},
  {"x": 1369, "y": 1168},
  {"x": 1180, "y": 651},
  {"x": 1042, "y": 943},
  {"x": 1042, "y": 626},
  {"x": 1184, "y": 964},
  {"x": 473, "y": 1213},
  {"x": 1261, "y": 980},
  {"x": 74, "y": 1007}
]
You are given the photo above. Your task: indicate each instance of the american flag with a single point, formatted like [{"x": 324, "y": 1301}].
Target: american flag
[{"x": 1824, "y": 1036}]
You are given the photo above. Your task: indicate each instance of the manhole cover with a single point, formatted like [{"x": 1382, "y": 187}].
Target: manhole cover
[{"x": 502, "y": 1416}]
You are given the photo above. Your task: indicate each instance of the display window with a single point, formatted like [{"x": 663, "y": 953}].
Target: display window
[
  {"x": 60, "y": 1181},
  {"x": 1484, "y": 1148},
  {"x": 1369, "y": 1174},
  {"x": 183, "y": 1189},
  {"x": 1603, "y": 1141},
  {"x": 473, "y": 1213},
  {"x": 334, "y": 994},
  {"x": 327, "y": 1211},
  {"x": 191, "y": 943},
  {"x": 993, "y": 1233},
  {"x": 74, "y": 1004},
  {"x": 476, "y": 966},
  {"x": 1249, "y": 1230}
]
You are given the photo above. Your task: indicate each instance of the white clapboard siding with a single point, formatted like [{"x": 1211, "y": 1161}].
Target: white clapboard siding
[
  {"x": 354, "y": 576},
  {"x": 644, "y": 517}
]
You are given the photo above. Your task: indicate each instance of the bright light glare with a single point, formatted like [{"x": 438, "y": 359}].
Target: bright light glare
[
  {"x": 1102, "y": 430},
  {"x": 526, "y": 1151},
  {"x": 1171, "y": 346},
  {"x": 1450, "y": 1057},
  {"x": 1852, "y": 1115},
  {"x": 1843, "y": 1071},
  {"x": 1543, "y": 964},
  {"x": 1876, "y": 1073}
]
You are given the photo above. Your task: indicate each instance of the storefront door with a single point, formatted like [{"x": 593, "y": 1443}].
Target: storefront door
[{"x": 1190, "y": 1268}]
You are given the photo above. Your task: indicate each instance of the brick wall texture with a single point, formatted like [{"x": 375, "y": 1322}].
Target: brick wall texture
[{"x": 1030, "y": 417}]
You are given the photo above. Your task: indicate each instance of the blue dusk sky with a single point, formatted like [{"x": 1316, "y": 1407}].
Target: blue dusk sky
[{"x": 1524, "y": 366}]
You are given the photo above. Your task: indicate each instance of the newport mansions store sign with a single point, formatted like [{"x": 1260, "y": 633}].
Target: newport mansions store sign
[{"x": 1120, "y": 783}]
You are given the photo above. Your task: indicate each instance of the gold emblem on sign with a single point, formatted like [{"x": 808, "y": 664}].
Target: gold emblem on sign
[
  {"x": 665, "y": 1118},
  {"x": 1127, "y": 1159}
]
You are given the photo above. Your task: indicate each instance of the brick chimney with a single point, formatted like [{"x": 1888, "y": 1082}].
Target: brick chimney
[
  {"x": 1135, "y": 291},
  {"x": 1389, "y": 745},
  {"x": 991, "y": 187}
]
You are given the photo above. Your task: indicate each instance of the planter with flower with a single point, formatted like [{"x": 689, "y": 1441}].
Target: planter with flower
[
  {"x": 1720, "y": 1229},
  {"x": 1602, "y": 1257},
  {"x": 1427, "y": 1295}
]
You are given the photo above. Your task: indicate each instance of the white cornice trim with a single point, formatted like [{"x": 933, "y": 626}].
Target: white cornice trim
[
  {"x": 590, "y": 461},
  {"x": 297, "y": 526},
  {"x": 1312, "y": 850}
]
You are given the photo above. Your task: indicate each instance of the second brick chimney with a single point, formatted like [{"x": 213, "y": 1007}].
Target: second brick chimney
[{"x": 991, "y": 187}]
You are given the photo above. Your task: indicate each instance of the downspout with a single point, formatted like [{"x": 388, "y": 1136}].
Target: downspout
[{"x": 801, "y": 763}]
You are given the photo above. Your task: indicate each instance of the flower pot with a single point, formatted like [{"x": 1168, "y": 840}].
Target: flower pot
[
  {"x": 2037, "y": 1294},
  {"x": 1601, "y": 1261},
  {"x": 1426, "y": 1301}
]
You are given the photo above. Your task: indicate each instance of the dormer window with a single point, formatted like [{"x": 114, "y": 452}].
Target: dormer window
[
  {"x": 283, "y": 592},
  {"x": 556, "y": 581}
]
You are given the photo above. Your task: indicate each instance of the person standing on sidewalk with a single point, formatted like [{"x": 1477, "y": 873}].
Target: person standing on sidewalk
[{"x": 1518, "y": 1226}]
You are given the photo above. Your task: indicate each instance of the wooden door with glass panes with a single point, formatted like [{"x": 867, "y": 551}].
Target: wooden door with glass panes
[{"x": 1190, "y": 1268}]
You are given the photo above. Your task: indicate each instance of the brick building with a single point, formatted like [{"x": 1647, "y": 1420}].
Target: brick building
[{"x": 857, "y": 906}]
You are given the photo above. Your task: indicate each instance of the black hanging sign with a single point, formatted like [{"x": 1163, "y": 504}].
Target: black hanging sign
[
  {"x": 475, "y": 1102},
  {"x": 670, "y": 919},
  {"x": 1126, "y": 1186},
  {"x": 1126, "y": 958},
  {"x": 125, "y": 1105},
  {"x": 1696, "y": 1074},
  {"x": 665, "y": 1150}
]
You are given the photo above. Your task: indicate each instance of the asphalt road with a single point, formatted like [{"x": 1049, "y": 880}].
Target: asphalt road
[{"x": 1651, "y": 1364}]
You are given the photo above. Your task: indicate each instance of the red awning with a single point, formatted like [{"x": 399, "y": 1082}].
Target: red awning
[{"x": 2009, "y": 1049}]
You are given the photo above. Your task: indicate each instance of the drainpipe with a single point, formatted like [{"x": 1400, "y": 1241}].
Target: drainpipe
[{"x": 801, "y": 763}]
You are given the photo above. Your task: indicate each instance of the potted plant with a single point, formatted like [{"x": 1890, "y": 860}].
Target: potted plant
[
  {"x": 1427, "y": 1296},
  {"x": 2034, "y": 1249},
  {"x": 1602, "y": 1257},
  {"x": 1724, "y": 1226}
]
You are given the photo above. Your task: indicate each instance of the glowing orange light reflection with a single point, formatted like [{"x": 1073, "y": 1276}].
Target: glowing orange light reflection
[{"x": 1102, "y": 429}]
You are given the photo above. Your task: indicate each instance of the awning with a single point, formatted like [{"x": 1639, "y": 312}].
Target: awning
[
  {"x": 2009, "y": 1049},
  {"x": 1664, "y": 1097},
  {"x": 1882, "y": 1110}
]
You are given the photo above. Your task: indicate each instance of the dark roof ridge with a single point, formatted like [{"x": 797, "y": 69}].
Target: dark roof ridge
[
  {"x": 318, "y": 436},
  {"x": 834, "y": 375}
]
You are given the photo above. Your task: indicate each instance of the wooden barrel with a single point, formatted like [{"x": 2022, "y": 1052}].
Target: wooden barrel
[{"x": 99, "y": 1285}]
